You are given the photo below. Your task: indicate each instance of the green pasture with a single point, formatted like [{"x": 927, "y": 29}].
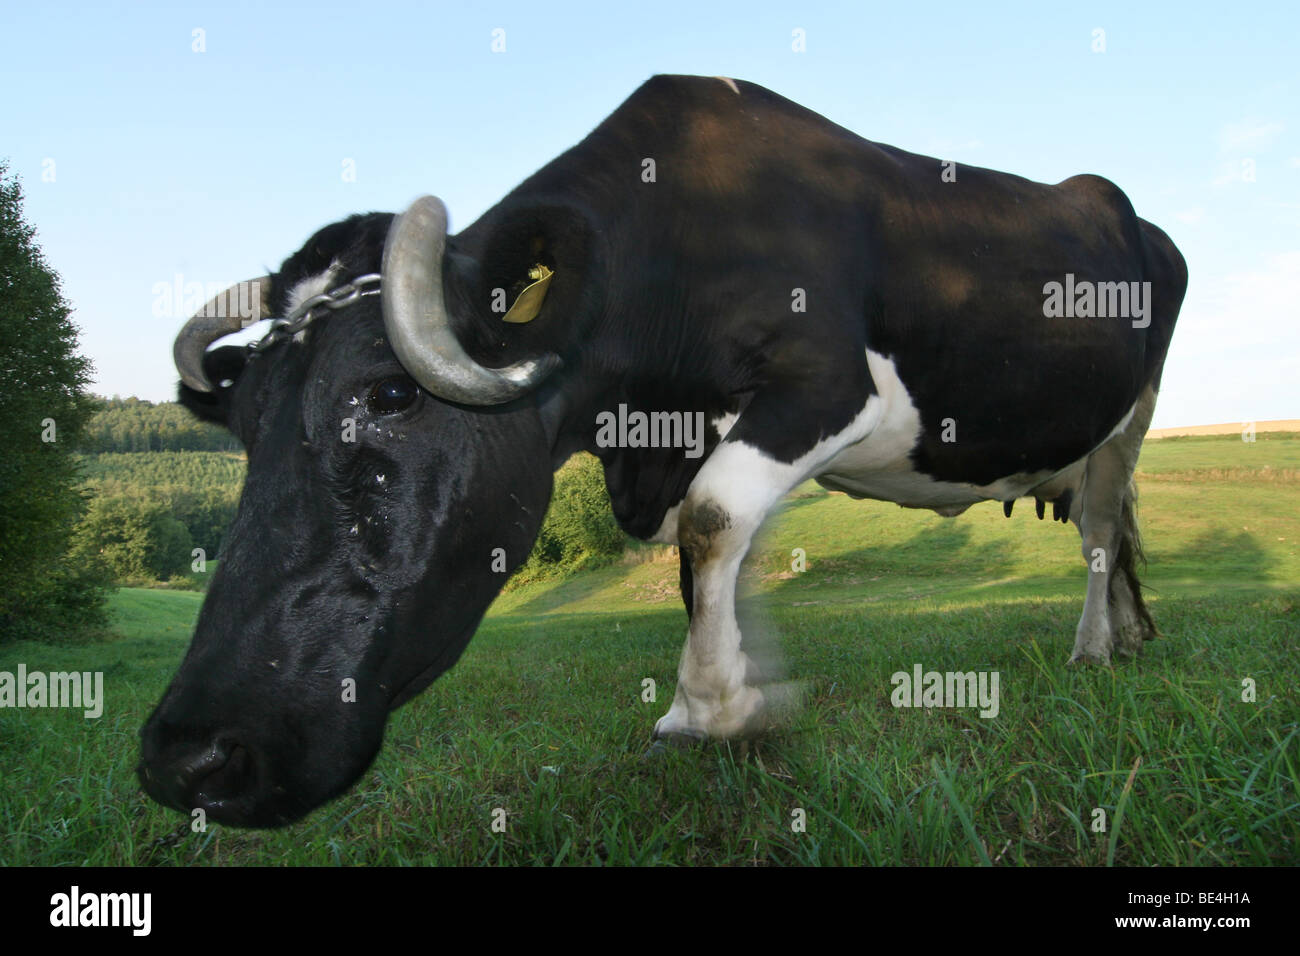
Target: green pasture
[{"x": 1186, "y": 756}]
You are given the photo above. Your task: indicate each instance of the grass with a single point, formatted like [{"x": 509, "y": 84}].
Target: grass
[{"x": 544, "y": 716}]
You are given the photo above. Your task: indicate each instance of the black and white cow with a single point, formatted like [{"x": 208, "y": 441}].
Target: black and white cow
[{"x": 836, "y": 309}]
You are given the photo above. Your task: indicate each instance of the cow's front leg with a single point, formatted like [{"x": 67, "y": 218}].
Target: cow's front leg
[
  {"x": 717, "y": 682},
  {"x": 722, "y": 691}
]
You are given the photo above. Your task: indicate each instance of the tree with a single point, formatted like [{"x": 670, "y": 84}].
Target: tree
[
  {"x": 138, "y": 540},
  {"x": 44, "y": 408},
  {"x": 580, "y": 517},
  {"x": 579, "y": 529}
]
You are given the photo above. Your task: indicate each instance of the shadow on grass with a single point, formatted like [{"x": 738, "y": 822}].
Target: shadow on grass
[
  {"x": 1218, "y": 554},
  {"x": 942, "y": 549},
  {"x": 581, "y": 585}
]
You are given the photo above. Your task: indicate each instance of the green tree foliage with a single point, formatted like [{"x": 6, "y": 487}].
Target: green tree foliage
[
  {"x": 136, "y": 539},
  {"x": 580, "y": 529},
  {"x": 134, "y": 425},
  {"x": 200, "y": 489},
  {"x": 44, "y": 407},
  {"x": 160, "y": 454}
]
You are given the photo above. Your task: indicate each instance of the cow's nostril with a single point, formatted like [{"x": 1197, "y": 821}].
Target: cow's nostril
[
  {"x": 210, "y": 777},
  {"x": 202, "y": 765},
  {"x": 227, "y": 779}
]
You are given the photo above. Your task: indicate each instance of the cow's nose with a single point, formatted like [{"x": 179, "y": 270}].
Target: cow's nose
[{"x": 208, "y": 777}]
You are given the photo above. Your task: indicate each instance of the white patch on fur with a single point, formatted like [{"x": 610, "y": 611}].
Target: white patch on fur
[
  {"x": 730, "y": 82},
  {"x": 309, "y": 287},
  {"x": 747, "y": 481},
  {"x": 722, "y": 424},
  {"x": 1123, "y": 423},
  {"x": 667, "y": 533},
  {"x": 874, "y": 461},
  {"x": 879, "y": 467}
]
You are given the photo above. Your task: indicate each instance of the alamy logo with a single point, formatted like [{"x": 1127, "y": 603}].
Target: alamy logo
[
  {"x": 102, "y": 909},
  {"x": 180, "y": 299},
  {"x": 946, "y": 689},
  {"x": 651, "y": 430},
  {"x": 56, "y": 689},
  {"x": 1101, "y": 300}
]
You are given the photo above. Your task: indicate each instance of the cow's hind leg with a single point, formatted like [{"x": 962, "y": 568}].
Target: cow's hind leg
[
  {"x": 1115, "y": 618},
  {"x": 1130, "y": 621}
]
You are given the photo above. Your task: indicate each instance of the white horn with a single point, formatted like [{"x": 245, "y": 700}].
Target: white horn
[
  {"x": 238, "y": 307},
  {"x": 415, "y": 317}
]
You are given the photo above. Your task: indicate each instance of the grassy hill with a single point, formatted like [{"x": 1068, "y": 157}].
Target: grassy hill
[{"x": 544, "y": 715}]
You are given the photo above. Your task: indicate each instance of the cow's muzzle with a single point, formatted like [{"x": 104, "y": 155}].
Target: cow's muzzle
[{"x": 219, "y": 777}]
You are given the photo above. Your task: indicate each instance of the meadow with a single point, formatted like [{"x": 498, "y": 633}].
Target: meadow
[{"x": 1191, "y": 752}]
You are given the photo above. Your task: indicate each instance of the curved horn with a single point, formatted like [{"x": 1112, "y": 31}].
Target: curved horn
[
  {"x": 238, "y": 307},
  {"x": 419, "y": 330}
]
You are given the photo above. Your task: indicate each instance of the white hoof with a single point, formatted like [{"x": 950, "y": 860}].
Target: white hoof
[{"x": 747, "y": 712}]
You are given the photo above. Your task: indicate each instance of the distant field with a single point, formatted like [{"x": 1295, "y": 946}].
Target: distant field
[
  {"x": 1227, "y": 428},
  {"x": 543, "y": 715}
]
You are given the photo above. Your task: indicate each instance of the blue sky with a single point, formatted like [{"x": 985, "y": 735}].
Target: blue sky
[{"x": 143, "y": 159}]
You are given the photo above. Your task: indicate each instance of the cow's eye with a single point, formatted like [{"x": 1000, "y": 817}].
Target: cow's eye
[{"x": 392, "y": 395}]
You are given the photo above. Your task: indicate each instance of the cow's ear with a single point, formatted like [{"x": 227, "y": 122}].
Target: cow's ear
[
  {"x": 535, "y": 266},
  {"x": 222, "y": 367}
]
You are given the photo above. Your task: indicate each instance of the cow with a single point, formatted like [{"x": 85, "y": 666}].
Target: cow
[{"x": 830, "y": 308}]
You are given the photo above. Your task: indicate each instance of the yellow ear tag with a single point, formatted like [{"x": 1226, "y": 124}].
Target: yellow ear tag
[{"x": 530, "y": 300}]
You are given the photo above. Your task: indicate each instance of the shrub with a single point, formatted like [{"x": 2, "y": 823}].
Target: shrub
[{"x": 579, "y": 530}]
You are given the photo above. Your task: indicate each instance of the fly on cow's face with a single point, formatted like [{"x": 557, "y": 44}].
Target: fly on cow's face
[{"x": 371, "y": 556}]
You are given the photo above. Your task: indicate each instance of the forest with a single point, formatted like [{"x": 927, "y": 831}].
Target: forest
[
  {"x": 134, "y": 425},
  {"x": 161, "y": 489}
]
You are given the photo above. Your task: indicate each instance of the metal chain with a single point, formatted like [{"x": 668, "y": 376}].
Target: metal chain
[{"x": 311, "y": 309}]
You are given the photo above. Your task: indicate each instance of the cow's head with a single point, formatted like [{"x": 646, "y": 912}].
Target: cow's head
[{"x": 393, "y": 483}]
